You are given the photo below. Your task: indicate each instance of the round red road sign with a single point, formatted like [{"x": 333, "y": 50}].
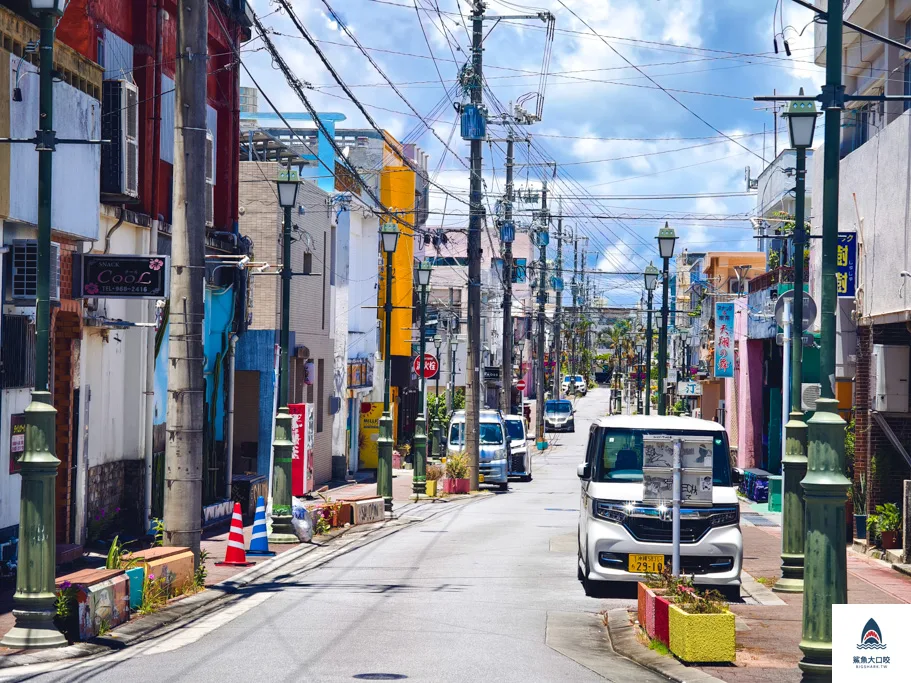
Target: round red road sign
[
  {"x": 520, "y": 385},
  {"x": 431, "y": 366}
]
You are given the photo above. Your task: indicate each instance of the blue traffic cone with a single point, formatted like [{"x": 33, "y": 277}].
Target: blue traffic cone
[{"x": 259, "y": 541}]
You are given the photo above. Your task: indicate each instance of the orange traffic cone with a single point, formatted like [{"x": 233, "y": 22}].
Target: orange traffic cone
[{"x": 235, "y": 556}]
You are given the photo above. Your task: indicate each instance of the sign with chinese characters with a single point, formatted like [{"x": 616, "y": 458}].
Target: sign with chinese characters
[
  {"x": 689, "y": 388},
  {"x": 431, "y": 366},
  {"x": 696, "y": 458},
  {"x": 724, "y": 339},
  {"x": 846, "y": 264},
  {"x": 114, "y": 276},
  {"x": 303, "y": 430}
]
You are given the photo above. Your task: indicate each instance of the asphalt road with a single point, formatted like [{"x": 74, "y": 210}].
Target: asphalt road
[{"x": 485, "y": 591}]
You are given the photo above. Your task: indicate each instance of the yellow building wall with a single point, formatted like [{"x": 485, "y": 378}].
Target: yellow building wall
[{"x": 397, "y": 183}]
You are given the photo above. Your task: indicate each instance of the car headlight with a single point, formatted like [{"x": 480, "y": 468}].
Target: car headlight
[
  {"x": 726, "y": 517},
  {"x": 609, "y": 512},
  {"x": 499, "y": 454}
]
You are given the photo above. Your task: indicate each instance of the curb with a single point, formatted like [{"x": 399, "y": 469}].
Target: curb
[
  {"x": 217, "y": 596},
  {"x": 761, "y": 594},
  {"x": 623, "y": 639}
]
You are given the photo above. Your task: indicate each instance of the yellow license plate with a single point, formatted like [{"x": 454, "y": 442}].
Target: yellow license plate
[
  {"x": 480, "y": 478},
  {"x": 646, "y": 564}
]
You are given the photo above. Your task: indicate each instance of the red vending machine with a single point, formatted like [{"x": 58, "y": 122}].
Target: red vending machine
[{"x": 302, "y": 431}]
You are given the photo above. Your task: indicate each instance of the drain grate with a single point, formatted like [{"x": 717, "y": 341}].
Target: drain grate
[{"x": 757, "y": 520}]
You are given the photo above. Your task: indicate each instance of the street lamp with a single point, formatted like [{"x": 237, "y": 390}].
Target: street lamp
[
  {"x": 651, "y": 281},
  {"x": 639, "y": 350},
  {"x": 419, "y": 482},
  {"x": 287, "y": 185},
  {"x": 453, "y": 349},
  {"x": 438, "y": 344},
  {"x": 666, "y": 239},
  {"x": 33, "y": 602},
  {"x": 801, "y": 118},
  {"x": 389, "y": 235}
]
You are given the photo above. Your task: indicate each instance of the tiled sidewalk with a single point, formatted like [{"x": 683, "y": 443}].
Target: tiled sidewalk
[{"x": 768, "y": 636}]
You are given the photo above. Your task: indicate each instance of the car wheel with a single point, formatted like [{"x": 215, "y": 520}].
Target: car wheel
[
  {"x": 527, "y": 477},
  {"x": 730, "y": 593}
]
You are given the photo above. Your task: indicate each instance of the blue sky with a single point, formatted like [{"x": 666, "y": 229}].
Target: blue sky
[{"x": 720, "y": 48}]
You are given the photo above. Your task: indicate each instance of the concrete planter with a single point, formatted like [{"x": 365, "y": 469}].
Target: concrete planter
[
  {"x": 640, "y": 603},
  {"x": 431, "y": 489},
  {"x": 662, "y": 620},
  {"x": 651, "y": 610},
  {"x": 173, "y": 564},
  {"x": 701, "y": 638},
  {"x": 456, "y": 485}
]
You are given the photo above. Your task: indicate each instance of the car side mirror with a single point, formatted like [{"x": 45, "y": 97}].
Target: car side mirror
[
  {"x": 736, "y": 476},
  {"x": 584, "y": 471}
]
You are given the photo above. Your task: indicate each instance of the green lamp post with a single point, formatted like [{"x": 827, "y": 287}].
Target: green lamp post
[
  {"x": 651, "y": 281},
  {"x": 666, "y": 239},
  {"x": 801, "y": 116},
  {"x": 389, "y": 238},
  {"x": 436, "y": 427},
  {"x": 33, "y": 602},
  {"x": 287, "y": 186},
  {"x": 419, "y": 483}
]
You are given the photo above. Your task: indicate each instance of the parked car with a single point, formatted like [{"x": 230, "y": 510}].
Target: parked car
[
  {"x": 494, "y": 445},
  {"x": 574, "y": 384},
  {"x": 621, "y": 538},
  {"x": 559, "y": 416},
  {"x": 519, "y": 455}
]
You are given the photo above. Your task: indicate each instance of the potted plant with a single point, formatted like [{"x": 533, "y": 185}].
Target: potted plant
[
  {"x": 456, "y": 480},
  {"x": 888, "y": 522},
  {"x": 860, "y": 507},
  {"x": 434, "y": 474},
  {"x": 701, "y": 626}
]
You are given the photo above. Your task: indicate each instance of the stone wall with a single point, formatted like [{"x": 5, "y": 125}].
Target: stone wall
[{"x": 115, "y": 492}]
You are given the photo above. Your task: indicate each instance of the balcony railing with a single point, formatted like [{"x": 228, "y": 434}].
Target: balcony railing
[{"x": 773, "y": 277}]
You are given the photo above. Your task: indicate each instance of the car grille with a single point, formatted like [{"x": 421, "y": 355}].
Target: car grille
[
  {"x": 517, "y": 463},
  {"x": 655, "y": 530}
]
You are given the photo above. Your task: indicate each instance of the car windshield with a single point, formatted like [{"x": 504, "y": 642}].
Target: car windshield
[
  {"x": 558, "y": 407},
  {"x": 568, "y": 378},
  {"x": 515, "y": 429},
  {"x": 578, "y": 378},
  {"x": 491, "y": 433},
  {"x": 620, "y": 454}
]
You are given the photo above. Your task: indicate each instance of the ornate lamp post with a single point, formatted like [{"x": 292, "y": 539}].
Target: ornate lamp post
[
  {"x": 436, "y": 427},
  {"x": 33, "y": 602},
  {"x": 389, "y": 234},
  {"x": 282, "y": 532},
  {"x": 666, "y": 239},
  {"x": 801, "y": 126},
  {"x": 651, "y": 281},
  {"x": 419, "y": 483}
]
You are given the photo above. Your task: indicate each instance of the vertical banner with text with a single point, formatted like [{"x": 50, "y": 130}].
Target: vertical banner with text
[{"x": 724, "y": 339}]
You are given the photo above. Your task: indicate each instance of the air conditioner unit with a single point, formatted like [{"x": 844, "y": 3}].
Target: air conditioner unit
[
  {"x": 809, "y": 393},
  {"x": 890, "y": 385},
  {"x": 120, "y": 125},
  {"x": 25, "y": 270},
  {"x": 210, "y": 180}
]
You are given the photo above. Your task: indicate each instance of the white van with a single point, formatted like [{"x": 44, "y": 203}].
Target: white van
[
  {"x": 493, "y": 443},
  {"x": 622, "y": 539}
]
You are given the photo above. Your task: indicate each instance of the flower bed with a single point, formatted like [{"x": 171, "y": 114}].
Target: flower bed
[{"x": 701, "y": 637}]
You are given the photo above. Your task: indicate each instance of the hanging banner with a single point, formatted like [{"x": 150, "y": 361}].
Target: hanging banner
[
  {"x": 368, "y": 434},
  {"x": 724, "y": 339},
  {"x": 846, "y": 265},
  {"x": 302, "y": 432}
]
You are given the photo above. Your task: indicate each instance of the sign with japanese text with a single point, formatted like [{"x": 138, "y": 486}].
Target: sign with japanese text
[
  {"x": 724, "y": 339},
  {"x": 302, "y": 432},
  {"x": 689, "y": 388},
  {"x": 846, "y": 264},
  {"x": 696, "y": 458},
  {"x": 115, "y": 276},
  {"x": 431, "y": 366},
  {"x": 16, "y": 441}
]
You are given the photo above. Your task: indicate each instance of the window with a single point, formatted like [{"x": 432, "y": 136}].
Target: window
[
  {"x": 621, "y": 457},
  {"x": 491, "y": 433},
  {"x": 17, "y": 353},
  {"x": 516, "y": 429},
  {"x": 451, "y": 261},
  {"x": 320, "y": 391}
]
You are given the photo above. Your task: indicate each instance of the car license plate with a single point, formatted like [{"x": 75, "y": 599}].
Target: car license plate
[
  {"x": 646, "y": 564},
  {"x": 480, "y": 478}
]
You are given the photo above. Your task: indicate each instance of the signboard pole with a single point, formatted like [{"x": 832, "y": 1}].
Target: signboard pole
[
  {"x": 786, "y": 368},
  {"x": 675, "y": 523}
]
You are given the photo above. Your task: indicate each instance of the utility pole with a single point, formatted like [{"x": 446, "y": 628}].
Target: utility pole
[
  {"x": 558, "y": 291},
  {"x": 476, "y": 217},
  {"x": 575, "y": 288},
  {"x": 186, "y": 386},
  {"x": 508, "y": 231},
  {"x": 453, "y": 346},
  {"x": 543, "y": 238}
]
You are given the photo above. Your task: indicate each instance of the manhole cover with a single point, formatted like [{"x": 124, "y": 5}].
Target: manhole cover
[{"x": 380, "y": 677}]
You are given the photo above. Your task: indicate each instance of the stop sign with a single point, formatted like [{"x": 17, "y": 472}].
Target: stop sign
[
  {"x": 431, "y": 366},
  {"x": 520, "y": 385}
]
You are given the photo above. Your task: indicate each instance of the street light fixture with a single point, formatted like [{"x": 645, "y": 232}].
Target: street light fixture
[
  {"x": 801, "y": 116},
  {"x": 651, "y": 277},
  {"x": 666, "y": 239},
  {"x": 288, "y": 185},
  {"x": 419, "y": 482},
  {"x": 33, "y": 602},
  {"x": 389, "y": 234}
]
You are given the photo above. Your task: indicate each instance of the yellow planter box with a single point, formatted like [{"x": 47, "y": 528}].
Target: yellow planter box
[
  {"x": 701, "y": 637},
  {"x": 431, "y": 488}
]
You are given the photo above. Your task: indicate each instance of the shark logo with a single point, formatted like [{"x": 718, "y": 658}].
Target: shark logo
[{"x": 871, "y": 638}]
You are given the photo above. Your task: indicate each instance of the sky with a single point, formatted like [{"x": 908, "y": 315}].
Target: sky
[{"x": 612, "y": 131}]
